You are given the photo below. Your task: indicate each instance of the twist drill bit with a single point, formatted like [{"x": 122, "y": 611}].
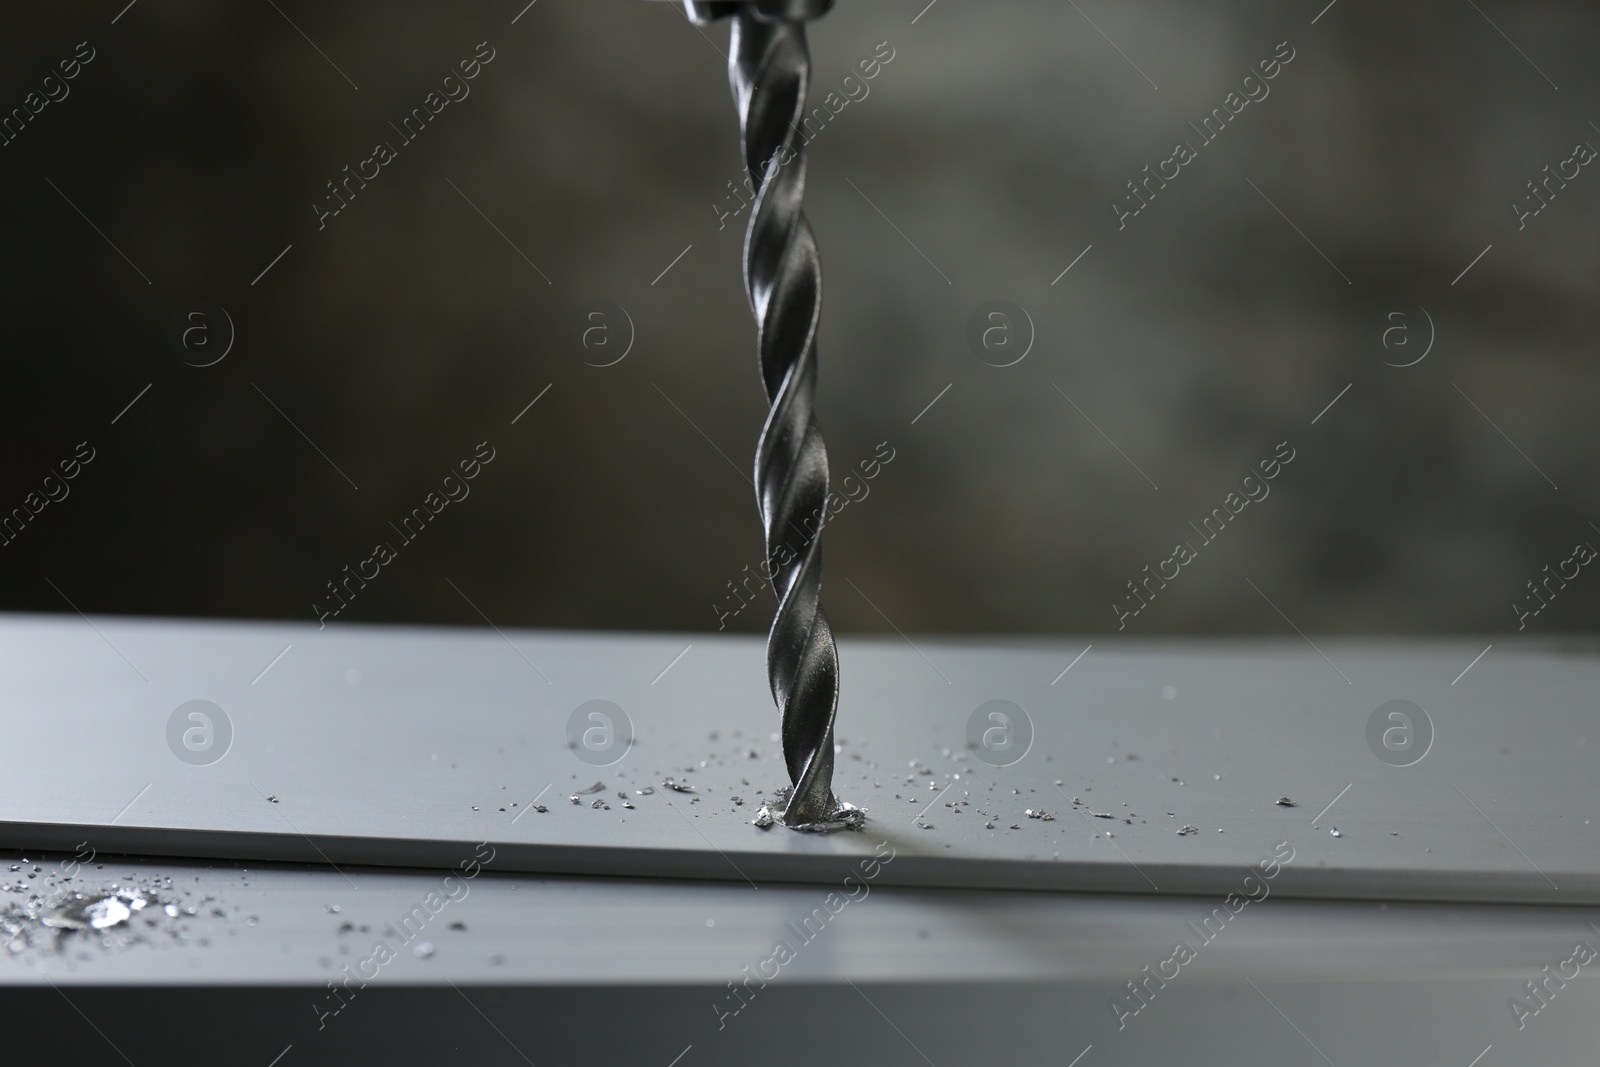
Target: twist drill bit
[{"x": 769, "y": 68}]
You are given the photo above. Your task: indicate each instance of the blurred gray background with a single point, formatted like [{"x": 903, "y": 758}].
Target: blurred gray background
[{"x": 978, "y": 163}]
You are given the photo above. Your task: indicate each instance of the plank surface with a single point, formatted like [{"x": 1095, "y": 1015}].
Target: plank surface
[{"x": 409, "y": 746}]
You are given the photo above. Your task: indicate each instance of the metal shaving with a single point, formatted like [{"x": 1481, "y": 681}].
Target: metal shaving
[
  {"x": 96, "y": 913},
  {"x": 54, "y": 918}
]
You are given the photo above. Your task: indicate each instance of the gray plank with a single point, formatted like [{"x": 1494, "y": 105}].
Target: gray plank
[{"x": 397, "y": 745}]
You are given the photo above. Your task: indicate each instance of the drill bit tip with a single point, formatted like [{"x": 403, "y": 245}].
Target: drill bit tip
[{"x": 842, "y": 816}]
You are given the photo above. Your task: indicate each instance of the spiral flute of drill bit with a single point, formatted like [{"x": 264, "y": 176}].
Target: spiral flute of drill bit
[{"x": 769, "y": 70}]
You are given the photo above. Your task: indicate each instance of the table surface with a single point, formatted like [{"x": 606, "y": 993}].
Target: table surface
[
  {"x": 292, "y": 924},
  {"x": 411, "y": 746},
  {"x": 399, "y": 965}
]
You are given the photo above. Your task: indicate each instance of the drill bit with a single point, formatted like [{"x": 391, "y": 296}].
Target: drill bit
[{"x": 769, "y": 68}]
